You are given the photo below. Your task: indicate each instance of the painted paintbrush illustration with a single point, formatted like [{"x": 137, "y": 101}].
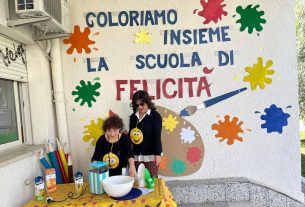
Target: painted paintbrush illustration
[{"x": 190, "y": 110}]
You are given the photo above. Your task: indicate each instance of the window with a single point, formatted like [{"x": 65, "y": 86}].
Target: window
[
  {"x": 13, "y": 79},
  {"x": 10, "y": 124},
  {"x": 25, "y": 4}
]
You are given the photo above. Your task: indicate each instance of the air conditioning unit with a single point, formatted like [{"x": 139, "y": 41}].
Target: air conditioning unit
[{"x": 52, "y": 16}]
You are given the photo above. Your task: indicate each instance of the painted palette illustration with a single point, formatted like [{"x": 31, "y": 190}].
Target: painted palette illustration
[{"x": 183, "y": 148}]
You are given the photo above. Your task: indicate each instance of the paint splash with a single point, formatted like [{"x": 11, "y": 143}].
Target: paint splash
[
  {"x": 212, "y": 10},
  {"x": 257, "y": 74},
  {"x": 228, "y": 130},
  {"x": 163, "y": 163},
  {"x": 94, "y": 131},
  {"x": 79, "y": 40},
  {"x": 275, "y": 119},
  {"x": 170, "y": 123},
  {"x": 193, "y": 154},
  {"x": 178, "y": 166},
  {"x": 187, "y": 135},
  {"x": 250, "y": 18},
  {"x": 97, "y": 79},
  {"x": 143, "y": 37},
  {"x": 111, "y": 113},
  {"x": 206, "y": 70},
  {"x": 86, "y": 92}
]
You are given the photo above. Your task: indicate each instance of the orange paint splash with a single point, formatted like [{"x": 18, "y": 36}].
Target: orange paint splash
[
  {"x": 74, "y": 59},
  {"x": 79, "y": 40},
  {"x": 228, "y": 130},
  {"x": 97, "y": 33},
  {"x": 162, "y": 165},
  {"x": 95, "y": 49}
]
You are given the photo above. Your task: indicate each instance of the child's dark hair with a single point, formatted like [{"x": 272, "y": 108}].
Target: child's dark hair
[
  {"x": 113, "y": 122},
  {"x": 144, "y": 97}
]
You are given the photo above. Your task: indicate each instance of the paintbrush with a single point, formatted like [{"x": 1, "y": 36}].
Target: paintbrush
[{"x": 190, "y": 110}]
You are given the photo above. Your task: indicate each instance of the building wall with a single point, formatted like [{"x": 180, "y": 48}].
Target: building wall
[
  {"x": 40, "y": 123},
  {"x": 268, "y": 154},
  {"x": 14, "y": 191},
  {"x": 261, "y": 143}
]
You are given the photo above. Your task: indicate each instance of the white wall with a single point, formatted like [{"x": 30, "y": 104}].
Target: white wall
[
  {"x": 40, "y": 94},
  {"x": 40, "y": 122},
  {"x": 14, "y": 192},
  {"x": 2, "y": 13},
  {"x": 270, "y": 158}
]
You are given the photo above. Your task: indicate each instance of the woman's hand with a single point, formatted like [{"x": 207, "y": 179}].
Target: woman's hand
[
  {"x": 157, "y": 159},
  {"x": 132, "y": 171},
  {"x": 131, "y": 168}
]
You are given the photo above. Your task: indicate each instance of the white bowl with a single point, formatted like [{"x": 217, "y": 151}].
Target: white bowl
[{"x": 118, "y": 185}]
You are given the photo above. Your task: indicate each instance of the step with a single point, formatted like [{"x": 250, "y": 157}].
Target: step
[
  {"x": 228, "y": 192},
  {"x": 220, "y": 204}
]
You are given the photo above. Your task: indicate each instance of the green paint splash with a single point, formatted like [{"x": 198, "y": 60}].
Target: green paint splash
[
  {"x": 178, "y": 166},
  {"x": 251, "y": 18},
  {"x": 96, "y": 79},
  {"x": 86, "y": 92}
]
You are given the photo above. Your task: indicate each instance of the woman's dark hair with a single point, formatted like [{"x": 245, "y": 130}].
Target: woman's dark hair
[
  {"x": 113, "y": 122},
  {"x": 144, "y": 97}
]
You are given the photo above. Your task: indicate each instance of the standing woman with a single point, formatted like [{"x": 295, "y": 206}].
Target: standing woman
[
  {"x": 145, "y": 127},
  {"x": 115, "y": 148}
]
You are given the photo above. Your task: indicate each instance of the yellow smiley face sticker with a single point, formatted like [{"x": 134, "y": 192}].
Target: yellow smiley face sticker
[
  {"x": 136, "y": 136},
  {"x": 112, "y": 159}
]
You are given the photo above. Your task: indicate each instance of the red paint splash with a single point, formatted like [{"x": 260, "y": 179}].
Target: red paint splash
[
  {"x": 212, "y": 10},
  {"x": 111, "y": 113},
  {"x": 206, "y": 70},
  {"x": 95, "y": 49},
  {"x": 193, "y": 154},
  {"x": 228, "y": 130},
  {"x": 79, "y": 40}
]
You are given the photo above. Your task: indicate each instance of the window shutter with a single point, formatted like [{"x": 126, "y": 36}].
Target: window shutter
[{"x": 12, "y": 59}]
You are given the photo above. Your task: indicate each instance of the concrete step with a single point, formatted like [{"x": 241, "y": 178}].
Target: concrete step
[{"x": 220, "y": 204}]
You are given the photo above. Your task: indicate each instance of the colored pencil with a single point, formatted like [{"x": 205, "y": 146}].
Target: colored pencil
[
  {"x": 55, "y": 163},
  {"x": 43, "y": 161},
  {"x": 62, "y": 157},
  {"x": 61, "y": 168},
  {"x": 70, "y": 169}
]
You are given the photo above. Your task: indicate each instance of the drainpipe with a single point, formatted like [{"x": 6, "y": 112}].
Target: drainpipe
[{"x": 58, "y": 91}]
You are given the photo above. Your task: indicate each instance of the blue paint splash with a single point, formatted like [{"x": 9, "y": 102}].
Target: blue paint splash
[{"x": 275, "y": 119}]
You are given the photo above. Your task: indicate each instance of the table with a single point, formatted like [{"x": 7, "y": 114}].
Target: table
[{"x": 160, "y": 197}]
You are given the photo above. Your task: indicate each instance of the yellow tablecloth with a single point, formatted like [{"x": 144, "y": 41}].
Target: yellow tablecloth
[{"x": 160, "y": 197}]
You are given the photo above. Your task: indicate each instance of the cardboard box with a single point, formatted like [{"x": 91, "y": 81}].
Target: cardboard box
[
  {"x": 98, "y": 171},
  {"x": 50, "y": 180}
]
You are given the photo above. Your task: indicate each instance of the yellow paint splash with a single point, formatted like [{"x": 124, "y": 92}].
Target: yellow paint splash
[
  {"x": 170, "y": 123},
  {"x": 143, "y": 37},
  {"x": 94, "y": 131},
  {"x": 257, "y": 74}
]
